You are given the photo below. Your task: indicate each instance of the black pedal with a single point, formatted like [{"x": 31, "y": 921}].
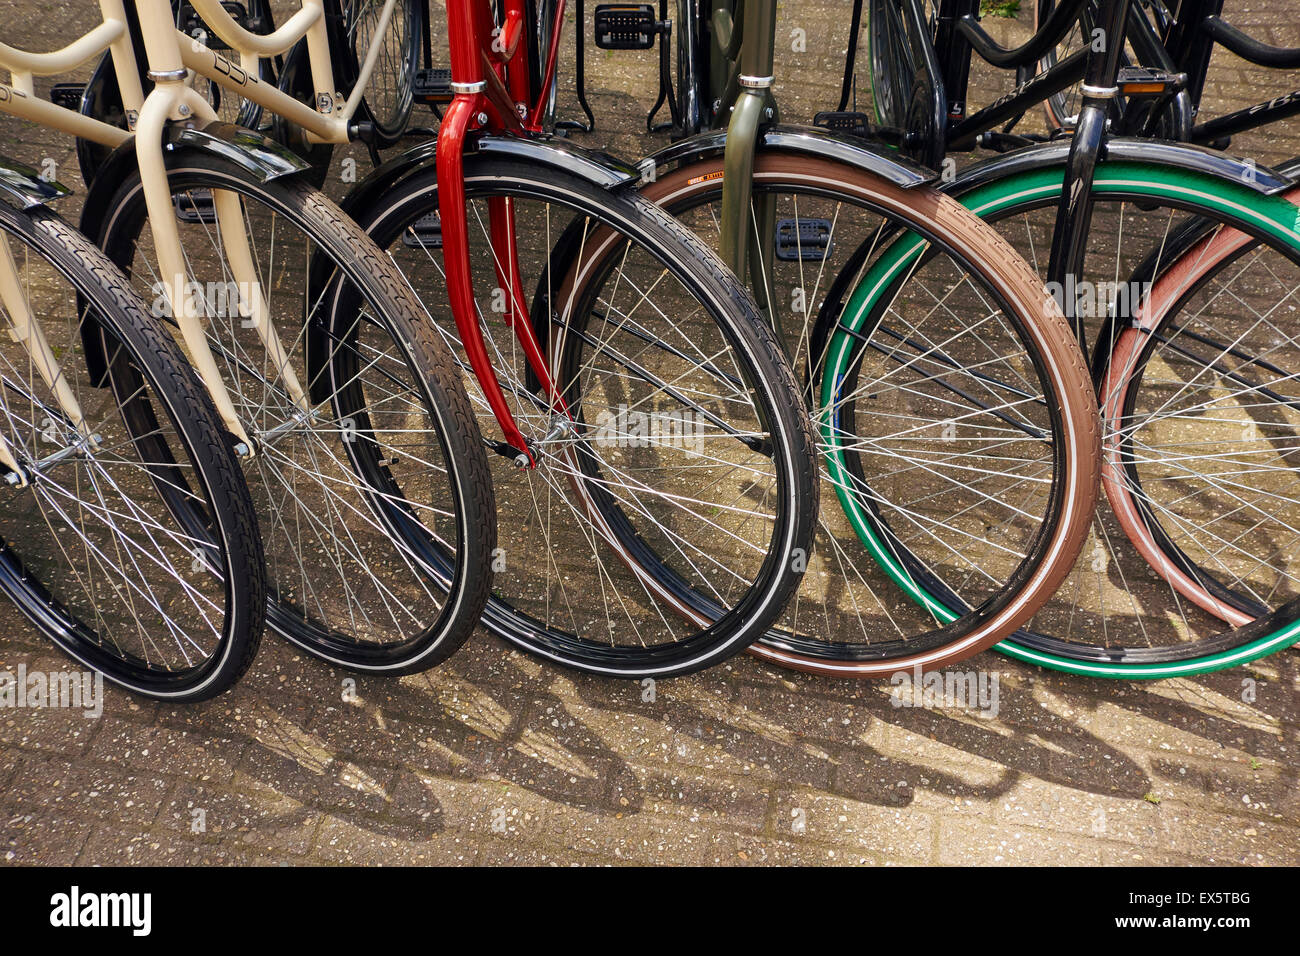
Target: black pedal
[
  {"x": 191, "y": 24},
  {"x": 1140, "y": 81},
  {"x": 433, "y": 86},
  {"x": 195, "y": 206},
  {"x": 67, "y": 95},
  {"x": 847, "y": 121},
  {"x": 424, "y": 233},
  {"x": 803, "y": 239},
  {"x": 626, "y": 26}
]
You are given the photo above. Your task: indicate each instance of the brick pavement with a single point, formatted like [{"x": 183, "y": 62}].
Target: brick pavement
[{"x": 495, "y": 758}]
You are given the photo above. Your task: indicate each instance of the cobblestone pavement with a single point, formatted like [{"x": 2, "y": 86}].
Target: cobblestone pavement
[{"x": 495, "y": 758}]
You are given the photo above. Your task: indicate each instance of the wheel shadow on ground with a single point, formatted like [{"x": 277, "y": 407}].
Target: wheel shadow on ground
[{"x": 598, "y": 747}]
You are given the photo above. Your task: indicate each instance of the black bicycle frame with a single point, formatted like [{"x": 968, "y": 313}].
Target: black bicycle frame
[
  {"x": 1179, "y": 42},
  {"x": 1196, "y": 27}
]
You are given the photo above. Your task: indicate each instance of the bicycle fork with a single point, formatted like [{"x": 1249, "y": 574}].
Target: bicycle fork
[
  {"x": 470, "y": 107},
  {"x": 173, "y": 99},
  {"x": 1074, "y": 210},
  {"x": 753, "y": 106},
  {"x": 26, "y": 330}
]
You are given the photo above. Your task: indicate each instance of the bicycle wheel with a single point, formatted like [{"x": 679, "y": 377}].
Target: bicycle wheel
[
  {"x": 686, "y": 439},
  {"x": 907, "y": 87},
  {"x": 390, "y": 93},
  {"x": 127, "y": 535},
  {"x": 955, "y": 409},
  {"x": 1195, "y": 370},
  {"x": 892, "y": 63},
  {"x": 370, "y": 483}
]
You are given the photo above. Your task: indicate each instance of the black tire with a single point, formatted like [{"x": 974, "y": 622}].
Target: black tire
[
  {"x": 614, "y": 216},
  {"x": 390, "y": 94},
  {"x": 405, "y": 526},
  {"x": 161, "y": 462}
]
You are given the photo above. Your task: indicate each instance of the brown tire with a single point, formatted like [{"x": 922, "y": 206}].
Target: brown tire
[{"x": 1067, "y": 401}]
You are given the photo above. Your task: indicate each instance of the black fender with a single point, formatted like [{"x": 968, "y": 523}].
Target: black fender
[
  {"x": 810, "y": 140},
  {"x": 599, "y": 168},
  {"x": 264, "y": 158},
  {"x": 1197, "y": 159},
  {"x": 102, "y": 100},
  {"x": 21, "y": 186},
  {"x": 259, "y": 155},
  {"x": 1174, "y": 155}
]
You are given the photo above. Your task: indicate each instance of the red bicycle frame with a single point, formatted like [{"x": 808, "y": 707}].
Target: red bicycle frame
[{"x": 489, "y": 74}]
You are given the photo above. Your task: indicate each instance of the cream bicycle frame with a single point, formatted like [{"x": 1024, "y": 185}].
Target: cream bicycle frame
[{"x": 174, "y": 58}]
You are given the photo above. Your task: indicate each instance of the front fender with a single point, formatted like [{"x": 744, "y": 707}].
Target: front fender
[
  {"x": 21, "y": 186},
  {"x": 601, "y": 169},
  {"x": 258, "y": 154},
  {"x": 1197, "y": 159},
  {"x": 811, "y": 140}
]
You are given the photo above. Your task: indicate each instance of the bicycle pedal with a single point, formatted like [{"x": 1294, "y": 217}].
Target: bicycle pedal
[
  {"x": 67, "y": 95},
  {"x": 195, "y": 206},
  {"x": 424, "y": 233},
  {"x": 433, "y": 86},
  {"x": 626, "y": 26},
  {"x": 846, "y": 121},
  {"x": 805, "y": 239},
  {"x": 191, "y": 24},
  {"x": 1139, "y": 81}
]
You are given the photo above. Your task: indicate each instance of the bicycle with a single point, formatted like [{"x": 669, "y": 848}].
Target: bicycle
[
  {"x": 127, "y": 535},
  {"x": 856, "y": 629},
  {"x": 1197, "y": 543},
  {"x": 354, "y": 431},
  {"x": 352, "y": 28}
]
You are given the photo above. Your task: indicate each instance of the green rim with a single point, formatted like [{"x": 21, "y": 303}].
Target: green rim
[{"x": 1272, "y": 214}]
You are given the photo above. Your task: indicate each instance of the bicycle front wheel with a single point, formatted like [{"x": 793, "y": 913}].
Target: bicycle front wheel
[
  {"x": 127, "y": 535},
  {"x": 371, "y": 486},
  {"x": 956, "y": 441},
  {"x": 1190, "y": 564},
  {"x": 683, "y": 464}
]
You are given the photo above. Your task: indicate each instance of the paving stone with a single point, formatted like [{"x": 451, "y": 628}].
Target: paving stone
[
  {"x": 498, "y": 759},
  {"x": 162, "y": 749},
  {"x": 57, "y": 786},
  {"x": 249, "y": 822}
]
